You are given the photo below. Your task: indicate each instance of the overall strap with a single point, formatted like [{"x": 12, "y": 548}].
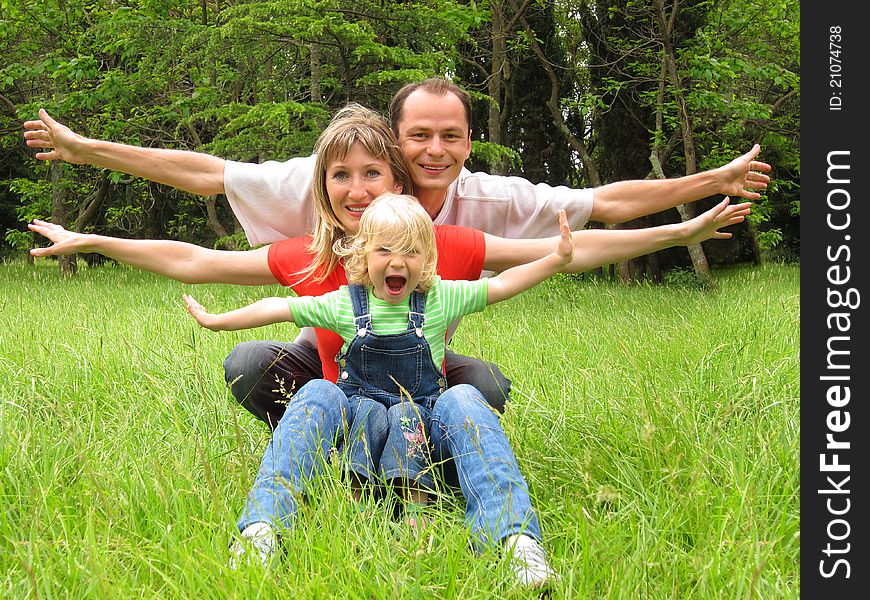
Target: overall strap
[
  {"x": 417, "y": 312},
  {"x": 359, "y": 299}
]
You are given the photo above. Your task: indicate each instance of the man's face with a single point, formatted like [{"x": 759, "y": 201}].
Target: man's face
[{"x": 435, "y": 140}]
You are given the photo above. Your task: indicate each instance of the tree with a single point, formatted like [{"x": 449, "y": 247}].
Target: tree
[{"x": 245, "y": 80}]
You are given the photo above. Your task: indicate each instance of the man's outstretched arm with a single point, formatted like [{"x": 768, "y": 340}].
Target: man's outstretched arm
[
  {"x": 626, "y": 200},
  {"x": 193, "y": 172}
]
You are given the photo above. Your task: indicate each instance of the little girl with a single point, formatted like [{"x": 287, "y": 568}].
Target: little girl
[{"x": 393, "y": 318}]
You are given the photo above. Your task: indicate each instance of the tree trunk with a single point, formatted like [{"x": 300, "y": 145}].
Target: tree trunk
[
  {"x": 90, "y": 208},
  {"x": 314, "y": 53},
  {"x": 215, "y": 225},
  {"x": 496, "y": 79},
  {"x": 67, "y": 264},
  {"x": 554, "y": 102},
  {"x": 654, "y": 267},
  {"x": 753, "y": 242},
  {"x": 696, "y": 253}
]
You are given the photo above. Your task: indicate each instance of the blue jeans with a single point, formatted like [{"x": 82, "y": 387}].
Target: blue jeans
[
  {"x": 465, "y": 429},
  {"x": 407, "y": 452},
  {"x": 318, "y": 418}
]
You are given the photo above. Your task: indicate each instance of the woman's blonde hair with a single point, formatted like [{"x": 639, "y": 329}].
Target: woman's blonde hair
[
  {"x": 396, "y": 222},
  {"x": 352, "y": 124}
]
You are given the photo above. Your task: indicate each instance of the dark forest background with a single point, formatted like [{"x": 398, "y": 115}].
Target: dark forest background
[{"x": 566, "y": 91}]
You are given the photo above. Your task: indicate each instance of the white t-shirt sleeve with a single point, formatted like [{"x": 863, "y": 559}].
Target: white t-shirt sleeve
[
  {"x": 513, "y": 207},
  {"x": 271, "y": 200}
]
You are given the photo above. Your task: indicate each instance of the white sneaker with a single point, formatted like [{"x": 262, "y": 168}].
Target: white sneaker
[
  {"x": 529, "y": 562},
  {"x": 258, "y": 540}
]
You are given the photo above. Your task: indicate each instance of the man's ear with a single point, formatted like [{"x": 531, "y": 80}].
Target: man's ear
[{"x": 468, "y": 148}]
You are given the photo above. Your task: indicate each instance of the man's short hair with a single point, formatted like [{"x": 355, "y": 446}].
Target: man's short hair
[{"x": 434, "y": 85}]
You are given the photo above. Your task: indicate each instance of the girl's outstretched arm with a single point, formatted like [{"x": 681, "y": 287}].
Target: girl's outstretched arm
[
  {"x": 520, "y": 278},
  {"x": 262, "y": 312}
]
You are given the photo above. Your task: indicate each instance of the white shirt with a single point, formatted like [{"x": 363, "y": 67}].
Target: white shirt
[{"x": 273, "y": 201}]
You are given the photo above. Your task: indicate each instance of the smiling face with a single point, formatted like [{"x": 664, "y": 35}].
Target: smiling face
[
  {"x": 395, "y": 272},
  {"x": 435, "y": 139},
  {"x": 354, "y": 181}
]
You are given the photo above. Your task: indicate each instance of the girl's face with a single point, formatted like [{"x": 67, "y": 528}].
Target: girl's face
[
  {"x": 395, "y": 274},
  {"x": 354, "y": 181}
]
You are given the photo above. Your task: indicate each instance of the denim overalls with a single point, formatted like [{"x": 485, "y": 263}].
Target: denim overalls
[{"x": 394, "y": 369}]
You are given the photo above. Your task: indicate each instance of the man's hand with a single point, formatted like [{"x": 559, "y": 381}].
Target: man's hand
[
  {"x": 706, "y": 225},
  {"x": 47, "y": 133},
  {"x": 745, "y": 173}
]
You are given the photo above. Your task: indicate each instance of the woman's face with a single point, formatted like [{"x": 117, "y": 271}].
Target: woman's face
[{"x": 353, "y": 182}]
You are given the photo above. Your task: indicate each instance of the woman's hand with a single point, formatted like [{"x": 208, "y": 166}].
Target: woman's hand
[
  {"x": 63, "y": 241},
  {"x": 706, "y": 225}
]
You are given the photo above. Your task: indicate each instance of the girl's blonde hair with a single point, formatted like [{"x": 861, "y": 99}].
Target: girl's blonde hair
[
  {"x": 396, "y": 222},
  {"x": 352, "y": 124}
]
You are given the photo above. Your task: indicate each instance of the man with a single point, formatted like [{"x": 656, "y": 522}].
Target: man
[{"x": 431, "y": 120}]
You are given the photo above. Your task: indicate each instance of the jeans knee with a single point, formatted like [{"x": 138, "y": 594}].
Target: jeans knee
[
  {"x": 463, "y": 403},
  {"x": 373, "y": 417},
  {"x": 320, "y": 392},
  {"x": 318, "y": 408}
]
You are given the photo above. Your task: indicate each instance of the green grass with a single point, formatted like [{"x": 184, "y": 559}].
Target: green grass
[{"x": 657, "y": 427}]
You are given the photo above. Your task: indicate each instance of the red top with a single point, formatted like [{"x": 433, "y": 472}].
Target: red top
[{"x": 461, "y": 252}]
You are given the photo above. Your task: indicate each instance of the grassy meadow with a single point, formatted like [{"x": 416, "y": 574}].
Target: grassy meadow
[{"x": 657, "y": 426}]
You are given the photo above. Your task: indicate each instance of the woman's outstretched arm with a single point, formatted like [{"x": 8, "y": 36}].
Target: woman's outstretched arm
[{"x": 183, "y": 262}]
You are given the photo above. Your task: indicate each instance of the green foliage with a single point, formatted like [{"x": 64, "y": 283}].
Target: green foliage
[
  {"x": 36, "y": 196},
  {"x": 19, "y": 240},
  {"x": 234, "y": 79},
  {"x": 238, "y": 79},
  {"x": 489, "y": 153},
  {"x": 737, "y": 71}
]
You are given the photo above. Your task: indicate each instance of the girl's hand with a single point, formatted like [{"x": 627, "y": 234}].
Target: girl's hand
[
  {"x": 705, "y": 226},
  {"x": 63, "y": 241},
  {"x": 565, "y": 248},
  {"x": 198, "y": 312}
]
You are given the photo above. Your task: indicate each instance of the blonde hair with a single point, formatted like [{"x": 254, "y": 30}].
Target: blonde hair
[
  {"x": 352, "y": 124},
  {"x": 396, "y": 222}
]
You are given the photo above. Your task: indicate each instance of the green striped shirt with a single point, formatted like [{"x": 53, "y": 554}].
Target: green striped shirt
[{"x": 446, "y": 301}]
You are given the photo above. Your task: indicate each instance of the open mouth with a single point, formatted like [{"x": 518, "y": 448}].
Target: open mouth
[
  {"x": 395, "y": 284},
  {"x": 356, "y": 209}
]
